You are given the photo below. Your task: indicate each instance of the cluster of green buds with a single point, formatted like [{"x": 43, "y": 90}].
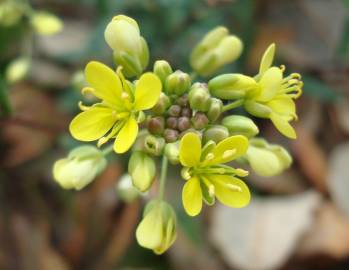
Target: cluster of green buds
[
  {"x": 40, "y": 22},
  {"x": 185, "y": 121}
]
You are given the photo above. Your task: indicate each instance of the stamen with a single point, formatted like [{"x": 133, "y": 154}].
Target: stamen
[
  {"x": 124, "y": 95},
  {"x": 102, "y": 141},
  {"x": 211, "y": 190},
  {"x": 241, "y": 172},
  {"x": 88, "y": 90},
  {"x": 233, "y": 187},
  {"x": 282, "y": 68},
  {"x": 83, "y": 107},
  {"x": 185, "y": 173},
  {"x": 209, "y": 156}
]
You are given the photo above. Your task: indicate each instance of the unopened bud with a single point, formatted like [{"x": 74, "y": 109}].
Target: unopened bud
[
  {"x": 162, "y": 105},
  {"x": 257, "y": 109},
  {"x": 215, "y": 133},
  {"x": 215, "y": 50},
  {"x": 154, "y": 145},
  {"x": 172, "y": 122},
  {"x": 46, "y": 23},
  {"x": 125, "y": 189},
  {"x": 162, "y": 69},
  {"x": 187, "y": 112},
  {"x": 215, "y": 109},
  {"x": 172, "y": 152},
  {"x": 199, "y": 97},
  {"x": 183, "y": 101},
  {"x": 142, "y": 170},
  {"x": 240, "y": 125},
  {"x": 174, "y": 110},
  {"x": 177, "y": 83},
  {"x": 17, "y": 69},
  {"x": 156, "y": 125},
  {"x": 199, "y": 120},
  {"x": 170, "y": 135},
  {"x": 183, "y": 123},
  {"x": 231, "y": 86}
]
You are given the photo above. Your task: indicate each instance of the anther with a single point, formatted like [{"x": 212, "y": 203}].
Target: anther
[
  {"x": 229, "y": 153},
  {"x": 233, "y": 187}
]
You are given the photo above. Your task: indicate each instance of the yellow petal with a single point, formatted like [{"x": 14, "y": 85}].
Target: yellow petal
[
  {"x": 190, "y": 149},
  {"x": 149, "y": 232},
  {"x": 192, "y": 197},
  {"x": 147, "y": 91},
  {"x": 127, "y": 136},
  {"x": 267, "y": 58},
  {"x": 229, "y": 149},
  {"x": 284, "y": 106},
  {"x": 270, "y": 84},
  {"x": 105, "y": 82},
  {"x": 231, "y": 191},
  {"x": 282, "y": 125},
  {"x": 92, "y": 124}
]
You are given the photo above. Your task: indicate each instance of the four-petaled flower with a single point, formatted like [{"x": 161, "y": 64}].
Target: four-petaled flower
[
  {"x": 120, "y": 108},
  {"x": 207, "y": 177}
]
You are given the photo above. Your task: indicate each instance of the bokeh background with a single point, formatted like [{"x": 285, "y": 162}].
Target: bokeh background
[{"x": 298, "y": 220}]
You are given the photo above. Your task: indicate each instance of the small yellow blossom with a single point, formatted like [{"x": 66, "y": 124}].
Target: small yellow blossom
[
  {"x": 46, "y": 23},
  {"x": 17, "y": 69},
  {"x": 121, "y": 106},
  {"x": 207, "y": 177}
]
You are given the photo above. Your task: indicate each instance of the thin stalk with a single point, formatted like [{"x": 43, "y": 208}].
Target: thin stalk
[
  {"x": 233, "y": 105},
  {"x": 107, "y": 150},
  {"x": 163, "y": 176}
]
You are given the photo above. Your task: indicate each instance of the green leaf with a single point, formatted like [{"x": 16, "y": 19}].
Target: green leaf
[{"x": 318, "y": 89}]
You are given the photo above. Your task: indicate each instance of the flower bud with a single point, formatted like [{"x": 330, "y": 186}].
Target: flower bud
[
  {"x": 154, "y": 145},
  {"x": 172, "y": 122},
  {"x": 172, "y": 152},
  {"x": 17, "y": 69},
  {"x": 199, "y": 120},
  {"x": 81, "y": 166},
  {"x": 215, "y": 133},
  {"x": 257, "y": 109},
  {"x": 125, "y": 190},
  {"x": 215, "y": 50},
  {"x": 267, "y": 159},
  {"x": 142, "y": 170},
  {"x": 157, "y": 230},
  {"x": 170, "y": 135},
  {"x": 199, "y": 97},
  {"x": 186, "y": 112},
  {"x": 183, "y": 101},
  {"x": 215, "y": 109},
  {"x": 231, "y": 86},
  {"x": 174, "y": 110},
  {"x": 162, "y": 105},
  {"x": 183, "y": 123},
  {"x": 10, "y": 12},
  {"x": 45, "y": 23},
  {"x": 156, "y": 125},
  {"x": 177, "y": 83},
  {"x": 162, "y": 69},
  {"x": 240, "y": 125},
  {"x": 129, "y": 47}
]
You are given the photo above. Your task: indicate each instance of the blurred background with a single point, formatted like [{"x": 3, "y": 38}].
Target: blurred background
[{"x": 298, "y": 220}]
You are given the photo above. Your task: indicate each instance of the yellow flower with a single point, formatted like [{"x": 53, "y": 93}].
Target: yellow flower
[
  {"x": 121, "y": 106},
  {"x": 207, "y": 177}
]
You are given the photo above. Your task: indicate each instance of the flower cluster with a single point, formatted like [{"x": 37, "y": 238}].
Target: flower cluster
[{"x": 184, "y": 120}]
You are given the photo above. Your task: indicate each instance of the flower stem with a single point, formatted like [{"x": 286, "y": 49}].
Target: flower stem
[
  {"x": 107, "y": 150},
  {"x": 164, "y": 165},
  {"x": 233, "y": 105}
]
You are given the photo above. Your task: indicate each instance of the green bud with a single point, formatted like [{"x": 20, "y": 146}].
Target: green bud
[
  {"x": 156, "y": 125},
  {"x": 231, "y": 86},
  {"x": 142, "y": 169},
  {"x": 199, "y": 120},
  {"x": 162, "y": 105},
  {"x": 172, "y": 122},
  {"x": 215, "y": 133},
  {"x": 267, "y": 159},
  {"x": 10, "y": 13},
  {"x": 162, "y": 69},
  {"x": 174, "y": 110},
  {"x": 154, "y": 145},
  {"x": 177, "y": 83},
  {"x": 125, "y": 190},
  {"x": 240, "y": 125},
  {"x": 257, "y": 109},
  {"x": 81, "y": 166},
  {"x": 157, "y": 230},
  {"x": 186, "y": 112},
  {"x": 215, "y": 109},
  {"x": 215, "y": 50},
  {"x": 129, "y": 47},
  {"x": 183, "y": 123},
  {"x": 183, "y": 101},
  {"x": 172, "y": 152},
  {"x": 199, "y": 97},
  {"x": 17, "y": 69}
]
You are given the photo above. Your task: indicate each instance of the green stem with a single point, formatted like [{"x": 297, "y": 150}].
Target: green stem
[
  {"x": 233, "y": 105},
  {"x": 5, "y": 105},
  {"x": 193, "y": 75},
  {"x": 164, "y": 165},
  {"x": 107, "y": 150}
]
